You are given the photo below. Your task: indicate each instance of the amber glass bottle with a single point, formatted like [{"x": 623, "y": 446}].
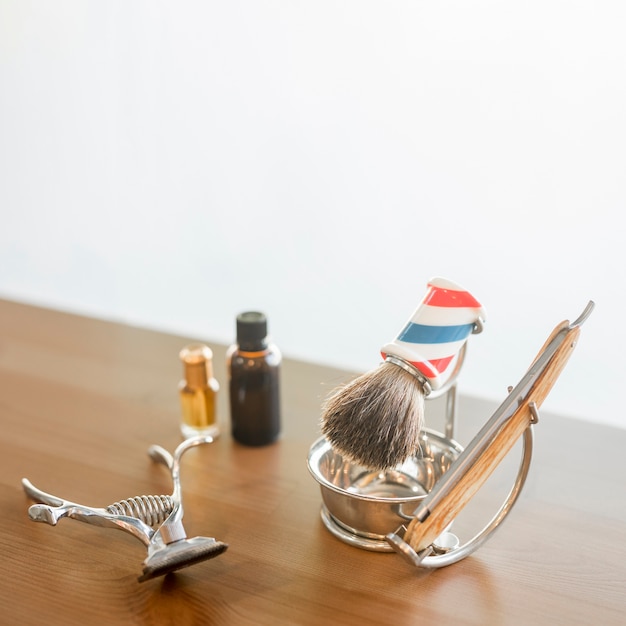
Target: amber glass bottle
[
  {"x": 253, "y": 365},
  {"x": 198, "y": 392}
]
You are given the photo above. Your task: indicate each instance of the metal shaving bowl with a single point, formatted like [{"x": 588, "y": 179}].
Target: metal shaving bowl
[{"x": 361, "y": 506}]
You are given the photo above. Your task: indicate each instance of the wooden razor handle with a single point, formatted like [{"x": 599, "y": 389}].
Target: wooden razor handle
[{"x": 421, "y": 534}]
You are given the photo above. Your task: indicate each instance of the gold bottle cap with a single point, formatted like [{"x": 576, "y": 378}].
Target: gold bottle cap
[{"x": 198, "y": 363}]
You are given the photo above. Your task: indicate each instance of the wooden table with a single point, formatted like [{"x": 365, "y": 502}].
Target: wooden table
[{"x": 80, "y": 402}]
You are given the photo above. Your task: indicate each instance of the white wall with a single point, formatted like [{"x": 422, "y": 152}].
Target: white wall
[{"x": 173, "y": 163}]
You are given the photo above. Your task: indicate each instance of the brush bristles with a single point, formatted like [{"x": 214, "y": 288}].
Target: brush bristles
[{"x": 376, "y": 419}]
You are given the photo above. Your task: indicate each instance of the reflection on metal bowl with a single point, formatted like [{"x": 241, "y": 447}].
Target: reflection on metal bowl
[{"x": 362, "y": 506}]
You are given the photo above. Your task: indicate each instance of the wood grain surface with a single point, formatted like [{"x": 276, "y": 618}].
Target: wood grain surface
[{"x": 81, "y": 400}]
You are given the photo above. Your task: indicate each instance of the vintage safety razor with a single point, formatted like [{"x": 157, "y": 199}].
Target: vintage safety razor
[
  {"x": 422, "y": 543},
  {"x": 157, "y": 521}
]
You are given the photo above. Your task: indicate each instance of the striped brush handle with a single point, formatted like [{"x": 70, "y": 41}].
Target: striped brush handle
[{"x": 437, "y": 330}]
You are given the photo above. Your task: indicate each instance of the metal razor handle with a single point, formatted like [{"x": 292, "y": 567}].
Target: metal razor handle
[
  {"x": 478, "y": 461},
  {"x": 50, "y": 509}
]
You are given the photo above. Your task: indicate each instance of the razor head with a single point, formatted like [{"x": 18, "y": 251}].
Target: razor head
[{"x": 180, "y": 554}]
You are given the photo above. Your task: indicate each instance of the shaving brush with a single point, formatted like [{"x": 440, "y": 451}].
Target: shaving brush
[{"x": 376, "y": 419}]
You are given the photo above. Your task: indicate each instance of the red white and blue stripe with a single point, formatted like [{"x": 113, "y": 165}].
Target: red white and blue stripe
[{"x": 436, "y": 332}]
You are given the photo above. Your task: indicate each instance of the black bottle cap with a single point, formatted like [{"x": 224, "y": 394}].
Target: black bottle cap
[{"x": 252, "y": 330}]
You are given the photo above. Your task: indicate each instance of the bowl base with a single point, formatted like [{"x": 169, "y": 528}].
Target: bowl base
[{"x": 353, "y": 539}]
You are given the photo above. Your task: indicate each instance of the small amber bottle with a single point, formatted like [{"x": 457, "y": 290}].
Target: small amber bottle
[
  {"x": 253, "y": 365},
  {"x": 198, "y": 392}
]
